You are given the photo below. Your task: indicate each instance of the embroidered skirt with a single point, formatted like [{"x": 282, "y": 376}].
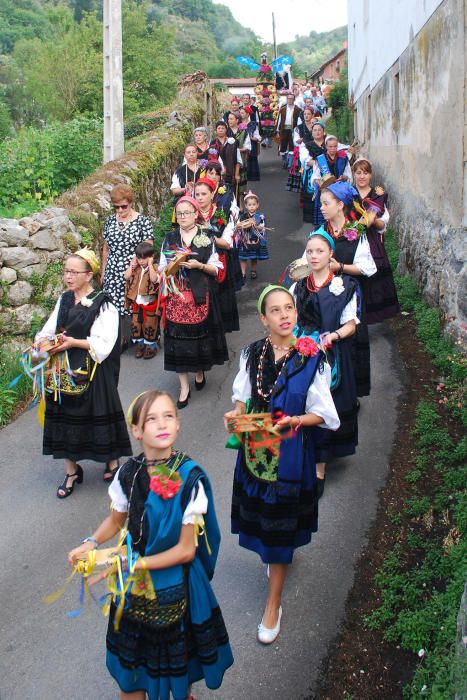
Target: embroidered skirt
[
  {"x": 269, "y": 523},
  {"x": 90, "y": 426},
  {"x": 165, "y": 665},
  {"x": 189, "y": 347}
]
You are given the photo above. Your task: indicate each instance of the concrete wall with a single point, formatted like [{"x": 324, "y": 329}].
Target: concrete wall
[{"x": 411, "y": 124}]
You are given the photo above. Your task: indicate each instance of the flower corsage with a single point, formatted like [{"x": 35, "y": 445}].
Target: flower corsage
[
  {"x": 306, "y": 347},
  {"x": 337, "y": 286},
  {"x": 86, "y": 301},
  {"x": 165, "y": 481},
  {"x": 220, "y": 217},
  {"x": 201, "y": 240}
]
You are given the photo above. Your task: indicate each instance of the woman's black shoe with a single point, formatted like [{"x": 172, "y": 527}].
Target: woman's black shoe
[
  {"x": 68, "y": 490},
  {"x": 320, "y": 486},
  {"x": 200, "y": 385},
  {"x": 184, "y": 403}
]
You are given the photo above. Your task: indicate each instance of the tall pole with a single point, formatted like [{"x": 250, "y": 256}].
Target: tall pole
[
  {"x": 113, "y": 80},
  {"x": 274, "y": 35}
]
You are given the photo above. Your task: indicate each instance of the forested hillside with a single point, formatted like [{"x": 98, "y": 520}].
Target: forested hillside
[
  {"x": 51, "y": 62},
  {"x": 51, "y": 54},
  {"x": 311, "y": 51}
]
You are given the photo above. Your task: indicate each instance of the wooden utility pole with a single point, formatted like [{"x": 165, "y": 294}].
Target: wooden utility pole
[
  {"x": 113, "y": 80},
  {"x": 274, "y": 35}
]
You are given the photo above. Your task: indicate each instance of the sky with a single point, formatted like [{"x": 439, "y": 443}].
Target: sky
[{"x": 292, "y": 16}]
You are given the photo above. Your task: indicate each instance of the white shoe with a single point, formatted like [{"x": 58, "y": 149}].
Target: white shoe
[{"x": 267, "y": 635}]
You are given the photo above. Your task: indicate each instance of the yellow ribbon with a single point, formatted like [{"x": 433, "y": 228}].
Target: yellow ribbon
[
  {"x": 200, "y": 531},
  {"x": 83, "y": 567}
]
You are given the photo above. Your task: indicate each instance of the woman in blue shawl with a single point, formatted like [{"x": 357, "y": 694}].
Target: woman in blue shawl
[
  {"x": 275, "y": 492},
  {"x": 166, "y": 629}
]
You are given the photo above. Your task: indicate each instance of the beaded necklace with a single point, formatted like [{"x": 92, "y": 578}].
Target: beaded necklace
[
  {"x": 313, "y": 287},
  {"x": 259, "y": 374},
  {"x": 210, "y": 212},
  {"x": 337, "y": 234},
  {"x": 280, "y": 347}
]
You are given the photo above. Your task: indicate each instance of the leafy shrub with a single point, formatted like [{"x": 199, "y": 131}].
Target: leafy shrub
[
  {"x": 5, "y": 122},
  {"x": 75, "y": 150},
  {"x": 38, "y": 164},
  {"x": 141, "y": 123}
]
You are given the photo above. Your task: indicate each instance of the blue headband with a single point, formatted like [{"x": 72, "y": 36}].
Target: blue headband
[
  {"x": 324, "y": 234},
  {"x": 343, "y": 191}
]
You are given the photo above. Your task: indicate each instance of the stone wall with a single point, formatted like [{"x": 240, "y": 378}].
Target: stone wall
[
  {"x": 28, "y": 248},
  {"x": 32, "y": 248},
  {"x": 411, "y": 124}
]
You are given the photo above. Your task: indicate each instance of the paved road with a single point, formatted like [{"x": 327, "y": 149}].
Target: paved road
[{"x": 46, "y": 656}]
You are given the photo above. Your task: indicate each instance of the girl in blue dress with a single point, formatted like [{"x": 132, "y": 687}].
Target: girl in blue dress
[
  {"x": 253, "y": 245},
  {"x": 275, "y": 498},
  {"x": 171, "y": 632},
  {"x": 328, "y": 305}
]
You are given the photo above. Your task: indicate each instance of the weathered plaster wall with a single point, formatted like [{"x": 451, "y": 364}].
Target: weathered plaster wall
[
  {"x": 378, "y": 32},
  {"x": 411, "y": 125}
]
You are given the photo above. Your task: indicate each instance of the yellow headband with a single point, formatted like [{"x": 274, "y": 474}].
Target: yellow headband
[
  {"x": 266, "y": 290},
  {"x": 129, "y": 413},
  {"x": 90, "y": 257}
]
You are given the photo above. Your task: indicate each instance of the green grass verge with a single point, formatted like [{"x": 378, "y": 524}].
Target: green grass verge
[
  {"x": 422, "y": 579},
  {"x": 9, "y": 398}
]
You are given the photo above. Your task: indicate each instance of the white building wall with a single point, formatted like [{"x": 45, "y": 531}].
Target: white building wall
[
  {"x": 379, "y": 31},
  {"x": 407, "y": 67}
]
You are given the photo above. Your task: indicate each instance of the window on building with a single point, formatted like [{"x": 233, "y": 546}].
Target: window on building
[{"x": 338, "y": 67}]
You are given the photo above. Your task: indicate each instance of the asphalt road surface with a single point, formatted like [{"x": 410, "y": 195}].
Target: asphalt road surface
[{"x": 45, "y": 655}]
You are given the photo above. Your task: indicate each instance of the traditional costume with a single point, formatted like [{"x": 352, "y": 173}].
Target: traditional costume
[
  {"x": 339, "y": 166},
  {"x": 194, "y": 337},
  {"x": 84, "y": 417},
  {"x": 379, "y": 289},
  {"x": 229, "y": 278},
  {"x": 229, "y": 152},
  {"x": 323, "y": 310},
  {"x": 252, "y": 243},
  {"x": 183, "y": 175},
  {"x": 352, "y": 248},
  {"x": 202, "y": 154},
  {"x": 311, "y": 212},
  {"x": 243, "y": 141},
  {"x": 286, "y": 123},
  {"x": 163, "y": 652},
  {"x": 141, "y": 300},
  {"x": 275, "y": 499},
  {"x": 253, "y": 173}
]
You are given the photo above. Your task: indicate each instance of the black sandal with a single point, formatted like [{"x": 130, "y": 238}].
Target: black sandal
[
  {"x": 109, "y": 474},
  {"x": 68, "y": 490}
]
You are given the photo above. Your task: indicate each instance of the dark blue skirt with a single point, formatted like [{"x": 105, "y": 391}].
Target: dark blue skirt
[{"x": 268, "y": 522}]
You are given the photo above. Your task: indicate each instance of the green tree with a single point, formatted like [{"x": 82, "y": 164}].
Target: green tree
[
  {"x": 21, "y": 19},
  {"x": 150, "y": 62},
  {"x": 64, "y": 76},
  {"x": 5, "y": 122}
]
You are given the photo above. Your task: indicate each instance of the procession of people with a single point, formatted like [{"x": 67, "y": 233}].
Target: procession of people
[{"x": 295, "y": 396}]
